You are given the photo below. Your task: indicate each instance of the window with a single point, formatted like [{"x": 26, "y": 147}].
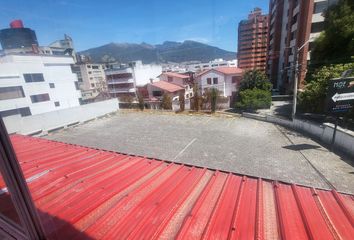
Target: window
[
  {"x": 208, "y": 80},
  {"x": 215, "y": 80},
  {"x": 89, "y": 72},
  {"x": 40, "y": 98},
  {"x": 33, "y": 77},
  {"x": 156, "y": 93},
  {"x": 51, "y": 85},
  {"x": 92, "y": 85},
  {"x": 317, "y": 27},
  {"x": 22, "y": 111},
  {"x": 57, "y": 104},
  {"x": 234, "y": 79},
  {"x": 11, "y": 92},
  {"x": 77, "y": 85},
  {"x": 320, "y": 7},
  {"x": 169, "y": 79},
  {"x": 95, "y": 67}
]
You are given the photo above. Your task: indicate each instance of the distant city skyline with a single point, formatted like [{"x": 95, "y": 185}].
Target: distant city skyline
[{"x": 92, "y": 24}]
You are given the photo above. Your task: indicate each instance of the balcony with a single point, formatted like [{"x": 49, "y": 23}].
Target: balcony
[
  {"x": 121, "y": 90},
  {"x": 294, "y": 27},
  {"x": 118, "y": 71},
  {"x": 296, "y": 10},
  {"x": 120, "y": 81}
]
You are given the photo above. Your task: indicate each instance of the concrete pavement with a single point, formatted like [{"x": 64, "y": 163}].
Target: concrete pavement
[{"x": 234, "y": 144}]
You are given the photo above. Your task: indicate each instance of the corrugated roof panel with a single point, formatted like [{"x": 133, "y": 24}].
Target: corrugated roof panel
[{"x": 83, "y": 193}]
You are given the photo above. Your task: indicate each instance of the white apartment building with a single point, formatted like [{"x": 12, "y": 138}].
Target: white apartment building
[
  {"x": 34, "y": 84},
  {"x": 92, "y": 80},
  {"x": 124, "y": 80},
  {"x": 197, "y": 67},
  {"x": 225, "y": 79}
]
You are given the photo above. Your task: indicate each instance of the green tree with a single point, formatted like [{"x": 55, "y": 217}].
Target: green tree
[
  {"x": 141, "y": 102},
  {"x": 214, "y": 93},
  {"x": 252, "y": 99},
  {"x": 336, "y": 42},
  {"x": 181, "y": 101},
  {"x": 313, "y": 97},
  {"x": 196, "y": 98},
  {"x": 255, "y": 79},
  {"x": 166, "y": 102}
]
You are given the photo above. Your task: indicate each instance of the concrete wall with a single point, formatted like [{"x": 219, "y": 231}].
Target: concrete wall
[
  {"x": 56, "y": 119},
  {"x": 344, "y": 138}
]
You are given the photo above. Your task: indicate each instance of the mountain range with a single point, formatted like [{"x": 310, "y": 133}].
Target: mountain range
[{"x": 168, "y": 51}]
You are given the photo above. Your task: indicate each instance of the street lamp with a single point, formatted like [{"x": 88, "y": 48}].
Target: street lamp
[{"x": 296, "y": 72}]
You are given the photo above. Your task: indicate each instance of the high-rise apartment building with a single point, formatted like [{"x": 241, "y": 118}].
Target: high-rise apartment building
[
  {"x": 252, "y": 41},
  {"x": 292, "y": 24},
  {"x": 92, "y": 80}
]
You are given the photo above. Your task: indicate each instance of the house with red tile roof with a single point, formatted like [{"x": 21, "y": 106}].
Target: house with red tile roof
[
  {"x": 157, "y": 89},
  {"x": 225, "y": 79},
  {"x": 180, "y": 80}
]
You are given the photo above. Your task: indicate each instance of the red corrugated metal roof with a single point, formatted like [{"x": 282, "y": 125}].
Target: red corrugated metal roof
[{"x": 88, "y": 193}]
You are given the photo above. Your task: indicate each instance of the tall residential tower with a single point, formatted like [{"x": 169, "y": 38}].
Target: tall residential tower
[
  {"x": 292, "y": 24},
  {"x": 252, "y": 41}
]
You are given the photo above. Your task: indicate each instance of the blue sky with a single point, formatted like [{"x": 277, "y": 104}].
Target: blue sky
[{"x": 94, "y": 23}]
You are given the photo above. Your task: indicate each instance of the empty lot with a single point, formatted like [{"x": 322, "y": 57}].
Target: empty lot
[{"x": 233, "y": 144}]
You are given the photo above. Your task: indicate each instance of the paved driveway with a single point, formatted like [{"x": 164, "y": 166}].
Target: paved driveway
[{"x": 227, "y": 143}]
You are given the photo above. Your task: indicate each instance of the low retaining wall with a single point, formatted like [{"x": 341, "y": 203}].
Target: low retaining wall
[
  {"x": 58, "y": 119},
  {"x": 344, "y": 139}
]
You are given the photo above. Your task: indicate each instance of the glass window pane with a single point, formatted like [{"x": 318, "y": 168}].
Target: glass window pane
[{"x": 7, "y": 208}]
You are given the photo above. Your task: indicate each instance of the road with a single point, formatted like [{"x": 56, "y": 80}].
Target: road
[{"x": 234, "y": 144}]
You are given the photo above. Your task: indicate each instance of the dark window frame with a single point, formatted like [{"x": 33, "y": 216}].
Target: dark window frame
[
  {"x": 37, "y": 98},
  {"x": 33, "y": 77}
]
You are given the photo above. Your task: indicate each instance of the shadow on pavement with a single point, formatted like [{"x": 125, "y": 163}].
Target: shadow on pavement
[{"x": 299, "y": 147}]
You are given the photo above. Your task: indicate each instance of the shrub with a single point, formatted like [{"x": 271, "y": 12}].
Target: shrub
[
  {"x": 252, "y": 99},
  {"x": 255, "y": 79},
  {"x": 214, "y": 93},
  {"x": 181, "y": 101},
  {"x": 128, "y": 100},
  {"x": 166, "y": 102},
  {"x": 313, "y": 98},
  {"x": 197, "y": 100},
  {"x": 141, "y": 102}
]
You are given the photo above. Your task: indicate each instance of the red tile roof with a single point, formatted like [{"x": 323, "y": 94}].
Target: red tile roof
[
  {"x": 177, "y": 75},
  {"x": 88, "y": 193},
  {"x": 224, "y": 70},
  {"x": 166, "y": 86}
]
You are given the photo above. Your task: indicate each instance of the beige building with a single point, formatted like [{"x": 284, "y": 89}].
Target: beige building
[{"x": 92, "y": 80}]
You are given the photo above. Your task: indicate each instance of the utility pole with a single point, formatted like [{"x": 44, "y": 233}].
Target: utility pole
[
  {"x": 296, "y": 72},
  {"x": 296, "y": 75}
]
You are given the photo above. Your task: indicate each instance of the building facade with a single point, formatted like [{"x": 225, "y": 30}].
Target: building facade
[
  {"x": 181, "y": 80},
  {"x": 292, "y": 24},
  {"x": 197, "y": 67},
  {"x": 156, "y": 90},
  {"x": 92, "y": 80},
  {"x": 123, "y": 80},
  {"x": 252, "y": 41},
  {"x": 225, "y": 79},
  {"x": 34, "y": 84}
]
